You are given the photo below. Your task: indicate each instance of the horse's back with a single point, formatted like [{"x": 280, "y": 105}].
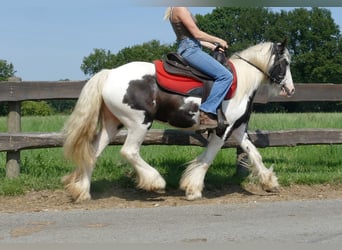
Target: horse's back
[
  {"x": 132, "y": 71},
  {"x": 119, "y": 78}
]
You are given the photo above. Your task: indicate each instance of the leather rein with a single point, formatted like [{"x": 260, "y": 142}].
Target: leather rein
[{"x": 255, "y": 66}]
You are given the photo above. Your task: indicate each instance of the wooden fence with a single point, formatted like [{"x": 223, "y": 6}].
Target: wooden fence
[{"x": 14, "y": 92}]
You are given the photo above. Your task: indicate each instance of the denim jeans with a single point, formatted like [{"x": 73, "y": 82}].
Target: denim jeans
[{"x": 191, "y": 51}]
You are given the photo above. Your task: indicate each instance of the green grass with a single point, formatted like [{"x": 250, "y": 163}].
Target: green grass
[{"x": 320, "y": 164}]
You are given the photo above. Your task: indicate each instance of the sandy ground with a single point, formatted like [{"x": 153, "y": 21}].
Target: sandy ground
[{"x": 131, "y": 198}]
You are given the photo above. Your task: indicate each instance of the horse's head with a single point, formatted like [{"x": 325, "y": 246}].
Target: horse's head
[{"x": 279, "y": 72}]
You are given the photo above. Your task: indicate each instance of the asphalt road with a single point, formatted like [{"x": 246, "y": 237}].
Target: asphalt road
[{"x": 285, "y": 222}]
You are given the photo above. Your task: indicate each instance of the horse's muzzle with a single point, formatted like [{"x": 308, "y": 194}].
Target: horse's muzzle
[{"x": 285, "y": 91}]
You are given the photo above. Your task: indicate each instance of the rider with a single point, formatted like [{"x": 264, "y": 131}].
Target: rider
[{"x": 190, "y": 41}]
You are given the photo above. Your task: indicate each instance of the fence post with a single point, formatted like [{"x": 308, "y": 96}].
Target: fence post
[{"x": 13, "y": 126}]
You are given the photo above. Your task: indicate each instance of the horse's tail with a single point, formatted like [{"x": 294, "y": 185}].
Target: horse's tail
[{"x": 81, "y": 127}]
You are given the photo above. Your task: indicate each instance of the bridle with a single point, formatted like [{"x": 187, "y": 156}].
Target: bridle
[{"x": 277, "y": 72}]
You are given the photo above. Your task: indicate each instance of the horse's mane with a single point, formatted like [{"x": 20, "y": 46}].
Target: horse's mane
[{"x": 261, "y": 48}]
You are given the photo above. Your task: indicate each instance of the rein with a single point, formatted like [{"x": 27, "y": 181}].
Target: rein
[
  {"x": 221, "y": 57},
  {"x": 255, "y": 66}
]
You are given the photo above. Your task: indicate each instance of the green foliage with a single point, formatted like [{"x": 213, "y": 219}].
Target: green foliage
[
  {"x": 241, "y": 27},
  {"x": 314, "y": 40},
  {"x": 12, "y": 187},
  {"x": 99, "y": 59},
  {"x": 6, "y": 70},
  {"x": 39, "y": 108},
  {"x": 102, "y": 59},
  {"x": 146, "y": 52},
  {"x": 3, "y": 108},
  {"x": 62, "y": 106}
]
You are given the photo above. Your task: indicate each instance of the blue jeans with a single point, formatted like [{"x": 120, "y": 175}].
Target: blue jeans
[{"x": 191, "y": 51}]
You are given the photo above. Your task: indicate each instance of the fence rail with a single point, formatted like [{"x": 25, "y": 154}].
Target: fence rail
[
  {"x": 14, "y": 92},
  {"x": 260, "y": 138}
]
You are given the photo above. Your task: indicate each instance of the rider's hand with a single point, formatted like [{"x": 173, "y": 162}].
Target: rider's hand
[
  {"x": 223, "y": 44},
  {"x": 221, "y": 47}
]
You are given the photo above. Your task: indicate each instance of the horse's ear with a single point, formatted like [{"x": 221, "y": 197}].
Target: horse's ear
[
  {"x": 284, "y": 42},
  {"x": 281, "y": 46}
]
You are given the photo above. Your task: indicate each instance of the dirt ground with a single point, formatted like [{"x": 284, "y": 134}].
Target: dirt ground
[{"x": 132, "y": 198}]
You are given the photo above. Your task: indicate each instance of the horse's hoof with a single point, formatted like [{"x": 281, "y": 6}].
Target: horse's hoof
[
  {"x": 82, "y": 198},
  {"x": 159, "y": 191},
  {"x": 274, "y": 190},
  {"x": 193, "y": 196}
]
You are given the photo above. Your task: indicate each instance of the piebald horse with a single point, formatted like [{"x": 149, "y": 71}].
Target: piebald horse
[{"x": 129, "y": 96}]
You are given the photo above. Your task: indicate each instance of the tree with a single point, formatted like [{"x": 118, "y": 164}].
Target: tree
[
  {"x": 36, "y": 108},
  {"x": 314, "y": 38},
  {"x": 96, "y": 61},
  {"x": 6, "y": 70},
  {"x": 147, "y": 52},
  {"x": 240, "y": 27},
  {"x": 101, "y": 59},
  {"x": 315, "y": 44}
]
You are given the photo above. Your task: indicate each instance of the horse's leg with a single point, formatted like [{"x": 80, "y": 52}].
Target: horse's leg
[
  {"x": 78, "y": 182},
  {"x": 110, "y": 127},
  {"x": 267, "y": 178},
  {"x": 192, "y": 181},
  {"x": 148, "y": 178}
]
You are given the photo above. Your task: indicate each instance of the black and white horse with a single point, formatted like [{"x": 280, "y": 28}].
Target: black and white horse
[{"x": 129, "y": 96}]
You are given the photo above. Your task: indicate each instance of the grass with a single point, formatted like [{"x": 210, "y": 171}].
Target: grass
[{"x": 319, "y": 164}]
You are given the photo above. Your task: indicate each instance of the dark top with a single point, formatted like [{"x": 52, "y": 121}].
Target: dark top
[{"x": 180, "y": 30}]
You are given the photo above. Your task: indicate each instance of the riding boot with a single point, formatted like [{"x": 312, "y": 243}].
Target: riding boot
[{"x": 207, "y": 120}]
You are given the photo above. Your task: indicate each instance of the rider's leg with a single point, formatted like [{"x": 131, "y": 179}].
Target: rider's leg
[{"x": 223, "y": 78}]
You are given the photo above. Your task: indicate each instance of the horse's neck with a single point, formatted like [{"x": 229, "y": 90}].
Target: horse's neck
[
  {"x": 258, "y": 55},
  {"x": 250, "y": 77}
]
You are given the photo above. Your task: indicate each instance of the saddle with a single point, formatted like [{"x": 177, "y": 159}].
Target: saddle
[{"x": 175, "y": 75}]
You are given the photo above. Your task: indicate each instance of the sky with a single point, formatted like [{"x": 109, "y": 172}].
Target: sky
[{"x": 47, "y": 40}]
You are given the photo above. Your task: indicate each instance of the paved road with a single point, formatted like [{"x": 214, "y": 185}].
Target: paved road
[{"x": 284, "y": 222}]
